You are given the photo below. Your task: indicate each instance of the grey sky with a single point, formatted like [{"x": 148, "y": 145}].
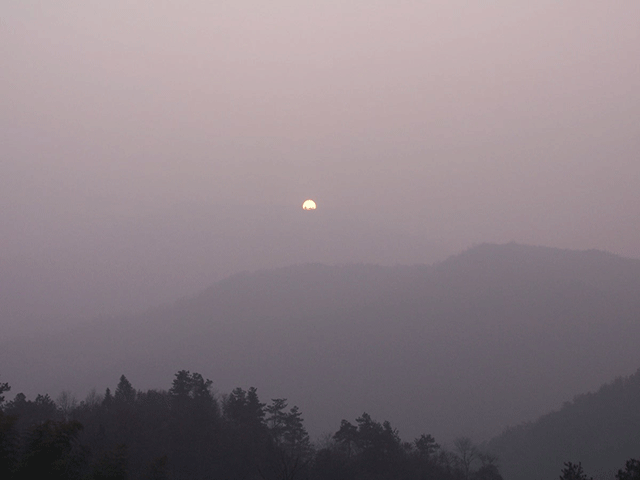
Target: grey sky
[{"x": 445, "y": 123}]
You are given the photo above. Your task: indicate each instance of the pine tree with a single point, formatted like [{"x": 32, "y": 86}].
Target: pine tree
[
  {"x": 107, "y": 401},
  {"x": 125, "y": 393}
]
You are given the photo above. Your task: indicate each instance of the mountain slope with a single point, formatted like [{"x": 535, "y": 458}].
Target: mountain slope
[
  {"x": 486, "y": 339},
  {"x": 601, "y": 430}
]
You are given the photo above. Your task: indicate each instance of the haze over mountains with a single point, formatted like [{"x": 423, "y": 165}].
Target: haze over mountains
[
  {"x": 489, "y": 338},
  {"x": 147, "y": 152},
  {"x": 109, "y": 263},
  {"x": 152, "y": 151}
]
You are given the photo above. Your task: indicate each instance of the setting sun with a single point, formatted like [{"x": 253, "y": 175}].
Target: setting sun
[{"x": 309, "y": 205}]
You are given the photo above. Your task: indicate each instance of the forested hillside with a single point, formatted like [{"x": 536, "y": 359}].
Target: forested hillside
[{"x": 601, "y": 430}]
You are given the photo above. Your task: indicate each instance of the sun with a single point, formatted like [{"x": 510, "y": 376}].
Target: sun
[{"x": 309, "y": 205}]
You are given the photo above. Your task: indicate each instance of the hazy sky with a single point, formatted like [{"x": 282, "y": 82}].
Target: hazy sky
[{"x": 420, "y": 127}]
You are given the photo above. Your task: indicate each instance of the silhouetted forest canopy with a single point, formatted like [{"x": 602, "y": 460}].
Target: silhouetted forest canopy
[{"x": 188, "y": 432}]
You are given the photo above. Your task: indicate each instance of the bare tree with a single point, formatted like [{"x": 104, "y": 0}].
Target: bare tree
[
  {"x": 93, "y": 398},
  {"x": 66, "y": 402},
  {"x": 467, "y": 452}
]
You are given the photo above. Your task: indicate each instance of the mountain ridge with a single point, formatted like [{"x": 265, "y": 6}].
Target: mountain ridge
[{"x": 466, "y": 346}]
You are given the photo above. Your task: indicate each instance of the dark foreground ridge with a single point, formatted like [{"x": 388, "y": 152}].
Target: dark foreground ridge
[{"x": 188, "y": 432}]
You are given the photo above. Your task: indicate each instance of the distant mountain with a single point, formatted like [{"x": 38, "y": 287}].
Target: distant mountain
[
  {"x": 489, "y": 338},
  {"x": 601, "y": 430},
  {"x": 105, "y": 263}
]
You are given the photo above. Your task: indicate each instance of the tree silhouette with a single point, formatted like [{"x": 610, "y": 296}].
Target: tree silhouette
[
  {"x": 111, "y": 464},
  {"x": 630, "y": 472},
  {"x": 8, "y": 444},
  {"x": 4, "y": 387},
  {"x": 52, "y": 451},
  {"x": 244, "y": 408},
  {"x": 467, "y": 453},
  {"x": 34, "y": 412},
  {"x": 347, "y": 436},
  {"x": 426, "y": 445},
  {"x": 573, "y": 472},
  {"x": 125, "y": 393},
  {"x": 194, "y": 426}
]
